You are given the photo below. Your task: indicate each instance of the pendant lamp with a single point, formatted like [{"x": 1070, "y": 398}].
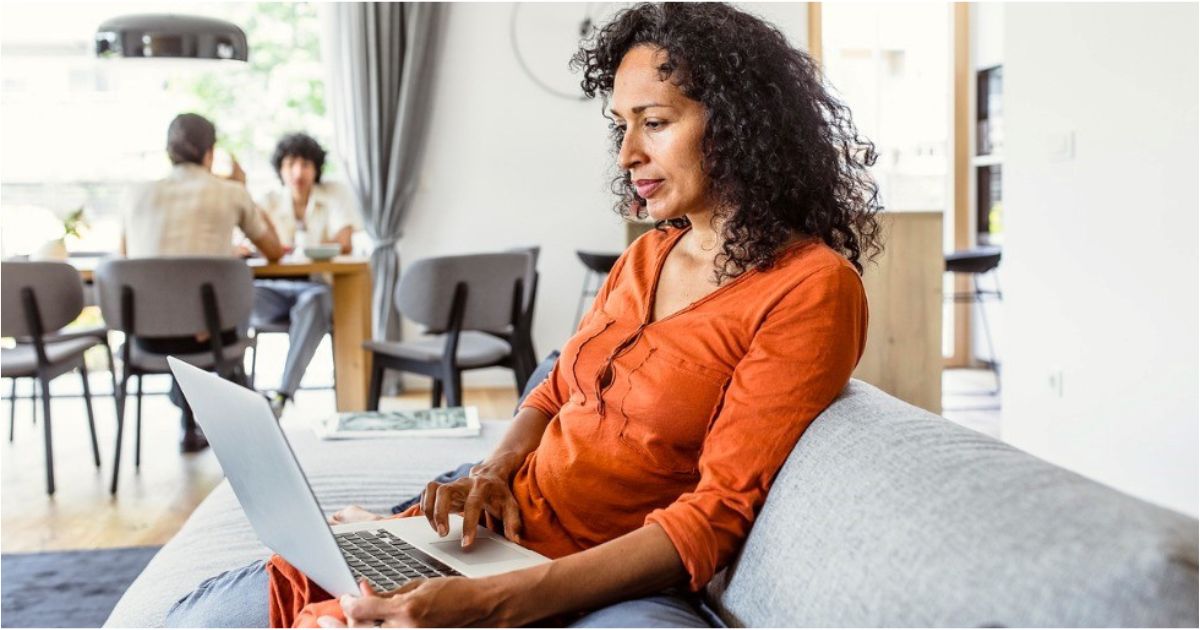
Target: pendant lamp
[{"x": 170, "y": 36}]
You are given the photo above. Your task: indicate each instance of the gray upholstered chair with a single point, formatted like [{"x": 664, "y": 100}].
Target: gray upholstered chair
[
  {"x": 152, "y": 299},
  {"x": 459, "y": 297},
  {"x": 39, "y": 298},
  {"x": 520, "y": 337}
]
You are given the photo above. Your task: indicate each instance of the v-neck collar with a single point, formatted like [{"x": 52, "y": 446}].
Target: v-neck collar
[{"x": 665, "y": 251}]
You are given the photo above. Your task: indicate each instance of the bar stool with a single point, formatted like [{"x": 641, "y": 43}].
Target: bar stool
[
  {"x": 976, "y": 262},
  {"x": 598, "y": 265}
]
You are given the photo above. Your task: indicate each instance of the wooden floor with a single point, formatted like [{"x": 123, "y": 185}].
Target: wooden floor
[{"x": 151, "y": 504}]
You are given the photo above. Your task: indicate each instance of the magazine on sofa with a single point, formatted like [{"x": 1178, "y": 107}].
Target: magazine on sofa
[{"x": 439, "y": 422}]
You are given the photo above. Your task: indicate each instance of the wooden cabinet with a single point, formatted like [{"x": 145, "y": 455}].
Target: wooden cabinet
[{"x": 904, "y": 290}]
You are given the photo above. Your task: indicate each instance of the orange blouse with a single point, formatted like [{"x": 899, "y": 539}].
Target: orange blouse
[{"x": 684, "y": 421}]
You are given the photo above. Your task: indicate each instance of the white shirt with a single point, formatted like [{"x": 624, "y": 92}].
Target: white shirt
[
  {"x": 190, "y": 212},
  {"x": 331, "y": 207}
]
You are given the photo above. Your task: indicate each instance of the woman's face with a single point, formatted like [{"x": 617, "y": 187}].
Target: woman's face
[
  {"x": 299, "y": 174},
  {"x": 663, "y": 132}
]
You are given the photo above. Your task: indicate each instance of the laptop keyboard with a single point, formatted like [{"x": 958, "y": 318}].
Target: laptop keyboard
[{"x": 387, "y": 562}]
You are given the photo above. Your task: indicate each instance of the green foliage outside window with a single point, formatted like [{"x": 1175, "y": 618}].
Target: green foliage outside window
[{"x": 281, "y": 89}]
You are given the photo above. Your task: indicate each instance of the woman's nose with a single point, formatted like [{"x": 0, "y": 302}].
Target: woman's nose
[{"x": 631, "y": 153}]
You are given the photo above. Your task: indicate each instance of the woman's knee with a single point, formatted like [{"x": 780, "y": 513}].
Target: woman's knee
[{"x": 237, "y": 598}]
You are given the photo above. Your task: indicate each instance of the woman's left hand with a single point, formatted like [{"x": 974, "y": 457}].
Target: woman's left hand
[{"x": 438, "y": 602}]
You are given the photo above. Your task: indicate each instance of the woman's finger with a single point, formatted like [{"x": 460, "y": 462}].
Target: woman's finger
[
  {"x": 472, "y": 510},
  {"x": 428, "y": 500},
  {"x": 446, "y": 501}
]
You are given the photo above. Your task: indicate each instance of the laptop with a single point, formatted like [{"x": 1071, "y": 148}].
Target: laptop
[{"x": 281, "y": 507}]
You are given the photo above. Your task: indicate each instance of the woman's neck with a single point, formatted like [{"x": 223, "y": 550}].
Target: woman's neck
[{"x": 705, "y": 240}]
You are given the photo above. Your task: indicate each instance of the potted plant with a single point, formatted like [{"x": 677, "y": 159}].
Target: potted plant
[{"x": 73, "y": 227}]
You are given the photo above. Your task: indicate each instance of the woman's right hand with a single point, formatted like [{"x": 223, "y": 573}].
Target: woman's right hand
[{"x": 485, "y": 490}]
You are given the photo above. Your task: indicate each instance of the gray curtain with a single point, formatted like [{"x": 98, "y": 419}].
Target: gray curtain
[{"x": 379, "y": 59}]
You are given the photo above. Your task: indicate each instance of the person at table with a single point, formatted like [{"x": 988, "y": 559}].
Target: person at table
[
  {"x": 640, "y": 463},
  {"x": 305, "y": 211},
  {"x": 193, "y": 212}
]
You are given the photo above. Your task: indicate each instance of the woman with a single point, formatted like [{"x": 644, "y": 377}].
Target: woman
[
  {"x": 640, "y": 463},
  {"x": 304, "y": 211}
]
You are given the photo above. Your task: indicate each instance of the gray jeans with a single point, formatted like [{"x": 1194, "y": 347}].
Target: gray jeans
[
  {"x": 238, "y": 599},
  {"x": 308, "y": 306}
]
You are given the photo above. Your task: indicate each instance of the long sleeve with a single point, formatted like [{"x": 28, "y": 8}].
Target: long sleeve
[{"x": 799, "y": 360}]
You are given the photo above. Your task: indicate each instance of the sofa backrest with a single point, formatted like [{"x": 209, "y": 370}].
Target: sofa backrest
[{"x": 888, "y": 515}]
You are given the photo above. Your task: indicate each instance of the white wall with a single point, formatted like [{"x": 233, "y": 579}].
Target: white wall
[
  {"x": 509, "y": 164},
  {"x": 1101, "y": 244}
]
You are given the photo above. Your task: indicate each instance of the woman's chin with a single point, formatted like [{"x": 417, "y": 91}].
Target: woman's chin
[{"x": 661, "y": 212}]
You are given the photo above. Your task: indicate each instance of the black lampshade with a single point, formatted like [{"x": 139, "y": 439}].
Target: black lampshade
[{"x": 171, "y": 36}]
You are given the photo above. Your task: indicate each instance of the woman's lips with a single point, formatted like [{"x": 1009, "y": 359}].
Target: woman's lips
[{"x": 647, "y": 187}]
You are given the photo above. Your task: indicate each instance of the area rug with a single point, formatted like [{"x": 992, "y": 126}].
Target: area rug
[{"x": 66, "y": 589}]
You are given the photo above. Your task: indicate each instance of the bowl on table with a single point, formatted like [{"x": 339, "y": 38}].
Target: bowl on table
[{"x": 322, "y": 252}]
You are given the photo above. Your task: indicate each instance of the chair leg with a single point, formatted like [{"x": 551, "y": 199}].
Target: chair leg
[
  {"x": 454, "y": 389},
  {"x": 87, "y": 402},
  {"x": 46, "y": 423},
  {"x": 254, "y": 360},
  {"x": 112, "y": 372},
  {"x": 12, "y": 412},
  {"x": 137, "y": 431},
  {"x": 517, "y": 365},
  {"x": 376, "y": 388},
  {"x": 987, "y": 332},
  {"x": 34, "y": 395},
  {"x": 436, "y": 400},
  {"x": 120, "y": 394}
]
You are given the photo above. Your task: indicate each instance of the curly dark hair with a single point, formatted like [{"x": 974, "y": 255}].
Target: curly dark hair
[
  {"x": 299, "y": 145},
  {"x": 782, "y": 154}
]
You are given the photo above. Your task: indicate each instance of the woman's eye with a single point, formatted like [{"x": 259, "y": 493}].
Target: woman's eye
[{"x": 655, "y": 124}]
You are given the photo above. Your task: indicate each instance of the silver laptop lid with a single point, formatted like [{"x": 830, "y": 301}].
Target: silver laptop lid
[{"x": 264, "y": 473}]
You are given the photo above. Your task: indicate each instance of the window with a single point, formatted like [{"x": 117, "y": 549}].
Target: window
[
  {"x": 80, "y": 131},
  {"x": 889, "y": 63}
]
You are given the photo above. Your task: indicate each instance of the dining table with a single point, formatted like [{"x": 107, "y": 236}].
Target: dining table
[{"x": 350, "y": 283}]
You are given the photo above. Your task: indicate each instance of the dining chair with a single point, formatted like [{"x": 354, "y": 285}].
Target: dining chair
[
  {"x": 38, "y": 297},
  {"x": 151, "y": 299},
  {"x": 458, "y": 298},
  {"x": 520, "y": 337}
]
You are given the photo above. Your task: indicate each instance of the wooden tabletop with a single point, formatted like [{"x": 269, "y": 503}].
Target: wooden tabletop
[{"x": 304, "y": 266}]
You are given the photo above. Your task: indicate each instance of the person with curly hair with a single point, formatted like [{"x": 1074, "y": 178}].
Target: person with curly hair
[
  {"x": 304, "y": 211},
  {"x": 641, "y": 461}
]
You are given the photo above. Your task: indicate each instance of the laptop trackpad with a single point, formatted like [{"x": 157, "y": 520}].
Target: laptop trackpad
[{"x": 484, "y": 551}]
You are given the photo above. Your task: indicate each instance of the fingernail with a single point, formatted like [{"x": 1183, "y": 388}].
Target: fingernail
[{"x": 465, "y": 542}]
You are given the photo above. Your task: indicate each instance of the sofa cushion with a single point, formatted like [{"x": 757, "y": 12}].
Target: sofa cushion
[{"x": 887, "y": 515}]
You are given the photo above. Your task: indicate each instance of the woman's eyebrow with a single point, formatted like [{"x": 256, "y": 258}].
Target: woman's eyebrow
[{"x": 639, "y": 109}]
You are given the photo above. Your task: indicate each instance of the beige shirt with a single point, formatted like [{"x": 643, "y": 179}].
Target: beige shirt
[
  {"x": 190, "y": 212},
  {"x": 331, "y": 207}
]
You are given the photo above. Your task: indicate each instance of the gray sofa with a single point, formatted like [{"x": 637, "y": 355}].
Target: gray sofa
[{"x": 884, "y": 515}]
